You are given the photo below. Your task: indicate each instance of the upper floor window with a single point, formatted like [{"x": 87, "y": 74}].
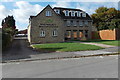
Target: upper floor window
[
  {"x": 66, "y": 13},
  {"x": 54, "y": 33},
  {"x": 48, "y": 13},
  {"x": 68, "y": 23},
  {"x": 86, "y": 22},
  {"x": 73, "y": 13},
  {"x": 74, "y": 23},
  {"x": 42, "y": 33},
  {"x": 83, "y": 14},
  {"x": 80, "y": 23},
  {"x": 57, "y": 11}
]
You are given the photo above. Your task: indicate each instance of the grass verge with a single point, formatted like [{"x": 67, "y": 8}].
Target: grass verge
[
  {"x": 65, "y": 47},
  {"x": 108, "y": 42}
]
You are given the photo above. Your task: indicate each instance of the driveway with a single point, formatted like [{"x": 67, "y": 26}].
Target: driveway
[{"x": 20, "y": 50}]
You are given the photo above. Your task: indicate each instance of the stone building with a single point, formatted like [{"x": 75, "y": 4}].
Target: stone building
[{"x": 59, "y": 24}]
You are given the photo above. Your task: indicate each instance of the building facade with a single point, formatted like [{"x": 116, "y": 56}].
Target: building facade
[{"x": 59, "y": 24}]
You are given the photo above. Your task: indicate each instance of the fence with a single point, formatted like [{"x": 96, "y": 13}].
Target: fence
[{"x": 106, "y": 34}]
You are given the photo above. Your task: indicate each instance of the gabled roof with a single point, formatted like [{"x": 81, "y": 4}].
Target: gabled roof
[
  {"x": 41, "y": 11},
  {"x": 62, "y": 15},
  {"x": 61, "y": 8}
]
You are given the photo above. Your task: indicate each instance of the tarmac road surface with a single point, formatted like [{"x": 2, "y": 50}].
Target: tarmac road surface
[{"x": 92, "y": 67}]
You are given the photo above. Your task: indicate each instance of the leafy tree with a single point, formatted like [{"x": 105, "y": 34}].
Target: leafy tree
[
  {"x": 106, "y": 18},
  {"x": 8, "y": 31}
]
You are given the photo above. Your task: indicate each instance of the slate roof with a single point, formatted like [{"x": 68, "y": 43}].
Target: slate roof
[{"x": 72, "y": 17}]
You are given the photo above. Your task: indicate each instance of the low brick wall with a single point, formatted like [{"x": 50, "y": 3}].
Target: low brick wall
[{"x": 106, "y": 34}]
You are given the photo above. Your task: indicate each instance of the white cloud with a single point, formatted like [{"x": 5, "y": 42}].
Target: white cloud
[
  {"x": 21, "y": 13},
  {"x": 3, "y": 13},
  {"x": 61, "y": 4},
  {"x": 24, "y": 10},
  {"x": 87, "y": 7}
]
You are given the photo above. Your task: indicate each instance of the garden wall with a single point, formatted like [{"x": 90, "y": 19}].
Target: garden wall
[{"x": 106, "y": 34}]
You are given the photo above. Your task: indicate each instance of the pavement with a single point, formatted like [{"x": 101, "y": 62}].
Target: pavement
[{"x": 21, "y": 51}]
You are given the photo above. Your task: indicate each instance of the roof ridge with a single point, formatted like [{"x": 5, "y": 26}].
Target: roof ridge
[{"x": 68, "y": 8}]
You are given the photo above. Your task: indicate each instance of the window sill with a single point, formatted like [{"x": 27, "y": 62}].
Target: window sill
[
  {"x": 42, "y": 36},
  {"x": 54, "y": 36}
]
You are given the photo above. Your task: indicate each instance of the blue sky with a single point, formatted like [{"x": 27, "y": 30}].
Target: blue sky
[{"x": 21, "y": 10}]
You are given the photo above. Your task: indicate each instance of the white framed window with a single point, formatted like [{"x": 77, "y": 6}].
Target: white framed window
[
  {"x": 80, "y": 23},
  {"x": 68, "y": 23},
  {"x": 78, "y": 14},
  {"x": 42, "y": 33},
  {"x": 83, "y": 14},
  {"x": 54, "y": 33},
  {"x": 48, "y": 13},
  {"x": 57, "y": 11},
  {"x": 72, "y": 13},
  {"x": 66, "y": 13}
]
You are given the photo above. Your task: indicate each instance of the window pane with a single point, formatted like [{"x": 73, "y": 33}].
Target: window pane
[
  {"x": 48, "y": 13},
  {"x": 81, "y": 23}
]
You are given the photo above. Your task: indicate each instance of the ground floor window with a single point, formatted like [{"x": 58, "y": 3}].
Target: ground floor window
[
  {"x": 80, "y": 33},
  {"x": 86, "y": 33},
  {"x": 68, "y": 35},
  {"x": 42, "y": 33},
  {"x": 54, "y": 33},
  {"x": 75, "y": 34}
]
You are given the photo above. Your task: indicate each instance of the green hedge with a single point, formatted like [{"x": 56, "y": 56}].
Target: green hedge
[{"x": 6, "y": 40}]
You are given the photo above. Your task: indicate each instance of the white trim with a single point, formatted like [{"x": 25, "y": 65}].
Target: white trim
[
  {"x": 57, "y": 11},
  {"x": 83, "y": 14},
  {"x": 72, "y": 13},
  {"x": 66, "y": 14}
]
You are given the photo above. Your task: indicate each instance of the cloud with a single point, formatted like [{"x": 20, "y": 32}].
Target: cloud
[
  {"x": 61, "y": 4},
  {"x": 90, "y": 7},
  {"x": 21, "y": 12},
  {"x": 87, "y": 7},
  {"x": 24, "y": 10},
  {"x": 3, "y": 13}
]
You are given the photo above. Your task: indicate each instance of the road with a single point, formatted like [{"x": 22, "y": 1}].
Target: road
[{"x": 92, "y": 67}]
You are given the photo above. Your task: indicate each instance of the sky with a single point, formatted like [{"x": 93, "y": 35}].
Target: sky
[{"x": 22, "y": 10}]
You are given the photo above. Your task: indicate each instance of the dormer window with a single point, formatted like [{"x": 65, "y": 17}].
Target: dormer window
[
  {"x": 57, "y": 11},
  {"x": 48, "y": 13},
  {"x": 66, "y": 13},
  {"x": 83, "y": 14},
  {"x": 73, "y": 13},
  {"x": 78, "y": 13}
]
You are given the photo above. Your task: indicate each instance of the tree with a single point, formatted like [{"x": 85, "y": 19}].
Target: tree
[
  {"x": 8, "y": 31},
  {"x": 9, "y": 22},
  {"x": 106, "y": 18}
]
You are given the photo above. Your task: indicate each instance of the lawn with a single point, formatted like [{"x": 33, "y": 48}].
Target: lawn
[
  {"x": 65, "y": 47},
  {"x": 108, "y": 42}
]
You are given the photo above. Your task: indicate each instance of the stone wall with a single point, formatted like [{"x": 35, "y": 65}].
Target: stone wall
[{"x": 38, "y": 22}]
